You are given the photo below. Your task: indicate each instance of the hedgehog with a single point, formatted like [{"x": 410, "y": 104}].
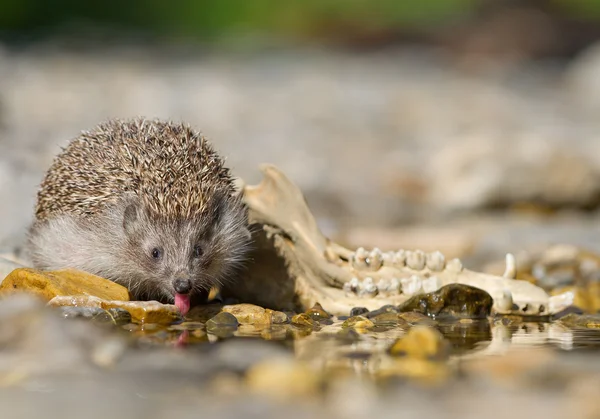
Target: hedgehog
[{"x": 147, "y": 204}]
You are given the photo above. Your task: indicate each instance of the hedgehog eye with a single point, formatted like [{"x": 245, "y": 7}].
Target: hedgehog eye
[
  {"x": 156, "y": 253},
  {"x": 198, "y": 251}
]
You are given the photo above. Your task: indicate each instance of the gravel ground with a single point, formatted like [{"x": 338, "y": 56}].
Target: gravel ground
[{"x": 373, "y": 139}]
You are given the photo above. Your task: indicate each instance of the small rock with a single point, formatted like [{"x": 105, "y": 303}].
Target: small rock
[
  {"x": 586, "y": 298},
  {"x": 455, "y": 300},
  {"x": 92, "y": 313},
  {"x": 590, "y": 321},
  {"x": 382, "y": 310},
  {"x": 388, "y": 319},
  {"x": 421, "y": 342},
  {"x": 304, "y": 319},
  {"x": 358, "y": 322},
  {"x": 48, "y": 285},
  {"x": 248, "y": 313},
  {"x": 413, "y": 318},
  {"x": 283, "y": 379},
  {"x": 119, "y": 316},
  {"x": 222, "y": 319},
  {"x": 358, "y": 311},
  {"x": 318, "y": 313},
  {"x": 140, "y": 311}
]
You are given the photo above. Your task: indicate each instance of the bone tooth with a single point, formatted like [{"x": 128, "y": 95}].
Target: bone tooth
[
  {"x": 368, "y": 288},
  {"x": 359, "y": 260},
  {"x": 394, "y": 286},
  {"x": 504, "y": 302},
  {"x": 454, "y": 265},
  {"x": 436, "y": 261},
  {"x": 347, "y": 287},
  {"x": 375, "y": 259},
  {"x": 351, "y": 287},
  {"x": 431, "y": 284},
  {"x": 412, "y": 285},
  {"x": 388, "y": 259},
  {"x": 511, "y": 267},
  {"x": 558, "y": 303},
  {"x": 400, "y": 258},
  {"x": 415, "y": 260},
  {"x": 383, "y": 285}
]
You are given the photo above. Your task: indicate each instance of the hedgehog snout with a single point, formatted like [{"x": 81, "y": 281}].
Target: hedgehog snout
[{"x": 182, "y": 285}]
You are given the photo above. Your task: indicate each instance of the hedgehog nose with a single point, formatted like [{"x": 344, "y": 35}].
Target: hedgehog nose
[{"x": 182, "y": 285}]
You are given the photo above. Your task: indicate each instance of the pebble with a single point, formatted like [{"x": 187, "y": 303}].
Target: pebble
[
  {"x": 140, "y": 311},
  {"x": 421, "y": 342},
  {"x": 253, "y": 314},
  {"x": 358, "y": 322},
  {"x": 589, "y": 321},
  {"x": 454, "y": 300},
  {"x": 223, "y": 319},
  {"x": 318, "y": 313},
  {"x": 304, "y": 319},
  {"x": 358, "y": 311},
  {"x": 284, "y": 379},
  {"x": 48, "y": 285}
]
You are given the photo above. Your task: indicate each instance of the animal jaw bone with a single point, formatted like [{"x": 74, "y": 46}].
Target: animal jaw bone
[{"x": 339, "y": 278}]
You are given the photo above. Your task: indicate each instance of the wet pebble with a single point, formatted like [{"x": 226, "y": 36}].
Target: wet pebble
[
  {"x": 318, "y": 313},
  {"x": 358, "y": 311},
  {"x": 589, "y": 321},
  {"x": 116, "y": 316},
  {"x": 253, "y": 314},
  {"x": 283, "y": 379},
  {"x": 454, "y": 300},
  {"x": 413, "y": 318},
  {"x": 140, "y": 311},
  {"x": 48, "y": 285},
  {"x": 304, "y": 319},
  {"x": 382, "y": 310},
  {"x": 222, "y": 324},
  {"x": 358, "y": 322},
  {"x": 388, "y": 319},
  {"x": 421, "y": 342}
]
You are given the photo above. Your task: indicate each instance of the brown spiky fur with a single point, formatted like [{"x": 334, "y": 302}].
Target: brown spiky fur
[{"x": 126, "y": 188}]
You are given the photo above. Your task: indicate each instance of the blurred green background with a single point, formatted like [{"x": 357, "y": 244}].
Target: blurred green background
[{"x": 345, "y": 21}]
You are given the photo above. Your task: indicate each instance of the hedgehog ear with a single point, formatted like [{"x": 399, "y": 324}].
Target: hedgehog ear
[{"x": 130, "y": 217}]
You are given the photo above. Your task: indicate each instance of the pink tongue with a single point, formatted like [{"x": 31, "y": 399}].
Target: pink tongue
[{"x": 182, "y": 302}]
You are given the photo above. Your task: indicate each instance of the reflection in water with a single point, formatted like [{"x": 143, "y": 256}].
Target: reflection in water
[{"x": 364, "y": 353}]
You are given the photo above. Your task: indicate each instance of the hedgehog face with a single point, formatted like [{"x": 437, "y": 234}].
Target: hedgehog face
[{"x": 185, "y": 256}]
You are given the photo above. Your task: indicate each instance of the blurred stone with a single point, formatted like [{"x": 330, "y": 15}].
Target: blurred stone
[
  {"x": 62, "y": 283},
  {"x": 222, "y": 322},
  {"x": 589, "y": 321},
  {"x": 253, "y": 314},
  {"x": 283, "y": 379},
  {"x": 240, "y": 355},
  {"x": 140, "y": 311},
  {"x": 388, "y": 319},
  {"x": 358, "y": 311},
  {"x": 486, "y": 169},
  {"x": 304, "y": 319},
  {"x": 414, "y": 318},
  {"x": 317, "y": 312},
  {"x": 421, "y": 342},
  {"x": 34, "y": 339},
  {"x": 586, "y": 298},
  {"x": 455, "y": 300},
  {"x": 358, "y": 322}
]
